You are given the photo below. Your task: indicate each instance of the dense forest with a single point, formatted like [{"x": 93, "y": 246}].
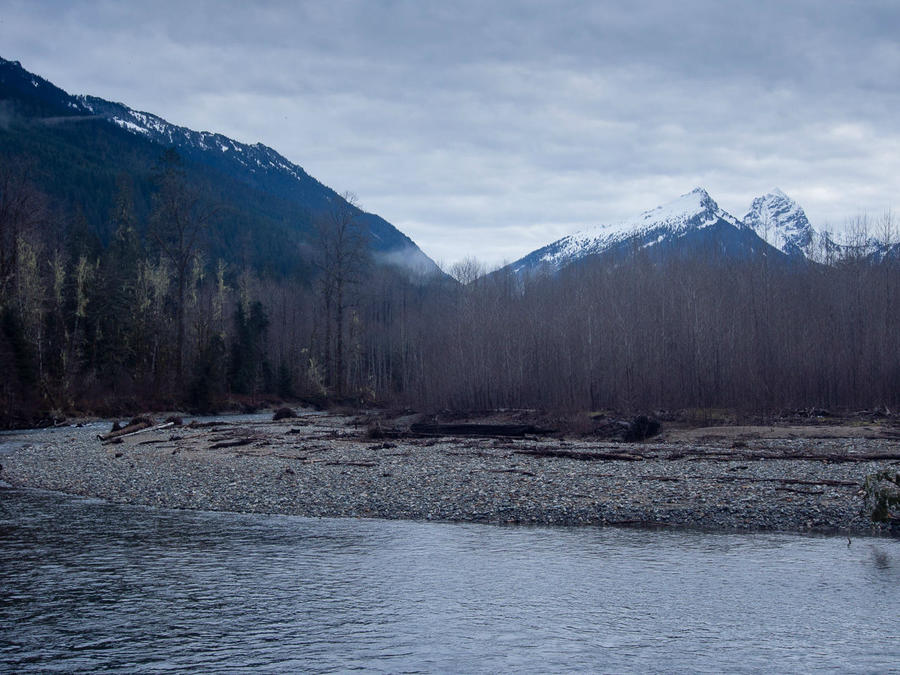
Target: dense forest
[{"x": 150, "y": 318}]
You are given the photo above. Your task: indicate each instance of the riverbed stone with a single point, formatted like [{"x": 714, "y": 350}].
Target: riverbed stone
[{"x": 323, "y": 465}]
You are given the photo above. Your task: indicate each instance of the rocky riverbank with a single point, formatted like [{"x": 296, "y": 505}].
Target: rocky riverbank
[{"x": 728, "y": 478}]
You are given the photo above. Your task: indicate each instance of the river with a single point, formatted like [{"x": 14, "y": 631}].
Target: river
[{"x": 90, "y": 586}]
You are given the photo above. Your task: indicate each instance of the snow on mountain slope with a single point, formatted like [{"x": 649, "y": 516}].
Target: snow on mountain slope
[
  {"x": 782, "y": 223},
  {"x": 691, "y": 212},
  {"x": 27, "y": 96},
  {"x": 270, "y": 169},
  {"x": 254, "y": 157}
]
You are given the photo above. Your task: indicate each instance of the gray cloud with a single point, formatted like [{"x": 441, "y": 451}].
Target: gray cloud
[{"x": 493, "y": 128}]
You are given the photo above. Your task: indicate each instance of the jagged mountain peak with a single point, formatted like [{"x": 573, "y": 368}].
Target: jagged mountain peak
[
  {"x": 692, "y": 209},
  {"x": 691, "y": 212},
  {"x": 781, "y": 222},
  {"x": 683, "y": 210}
]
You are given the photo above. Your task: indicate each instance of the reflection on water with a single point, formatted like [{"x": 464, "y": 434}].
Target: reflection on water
[{"x": 93, "y": 586}]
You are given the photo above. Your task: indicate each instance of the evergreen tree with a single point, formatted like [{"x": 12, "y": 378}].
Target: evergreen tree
[{"x": 249, "y": 366}]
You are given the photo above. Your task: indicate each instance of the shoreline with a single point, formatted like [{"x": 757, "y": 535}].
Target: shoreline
[
  {"x": 324, "y": 465},
  {"x": 625, "y": 525}
]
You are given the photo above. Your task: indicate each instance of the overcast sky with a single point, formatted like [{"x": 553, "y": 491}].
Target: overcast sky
[{"x": 492, "y": 128}]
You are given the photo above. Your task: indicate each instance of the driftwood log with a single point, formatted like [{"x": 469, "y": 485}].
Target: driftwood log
[
  {"x": 132, "y": 430},
  {"x": 489, "y": 430},
  {"x": 137, "y": 424},
  {"x": 232, "y": 444},
  {"x": 582, "y": 456}
]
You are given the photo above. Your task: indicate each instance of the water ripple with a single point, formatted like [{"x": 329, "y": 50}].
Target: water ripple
[{"x": 93, "y": 586}]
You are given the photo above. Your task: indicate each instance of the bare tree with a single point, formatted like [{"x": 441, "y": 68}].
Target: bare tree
[
  {"x": 179, "y": 218},
  {"x": 343, "y": 259},
  {"x": 467, "y": 270}
]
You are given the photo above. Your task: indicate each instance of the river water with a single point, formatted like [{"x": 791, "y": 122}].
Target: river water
[{"x": 90, "y": 586}]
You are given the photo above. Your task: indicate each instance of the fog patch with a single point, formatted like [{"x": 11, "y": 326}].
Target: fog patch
[
  {"x": 7, "y": 115},
  {"x": 409, "y": 259},
  {"x": 53, "y": 121}
]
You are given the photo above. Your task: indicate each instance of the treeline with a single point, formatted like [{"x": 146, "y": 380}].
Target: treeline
[
  {"x": 674, "y": 334},
  {"x": 148, "y": 320}
]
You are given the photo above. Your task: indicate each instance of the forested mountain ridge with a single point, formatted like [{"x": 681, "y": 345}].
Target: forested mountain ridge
[
  {"x": 144, "y": 265},
  {"x": 79, "y": 147}
]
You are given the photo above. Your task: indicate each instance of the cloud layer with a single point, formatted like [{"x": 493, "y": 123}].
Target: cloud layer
[{"x": 490, "y": 129}]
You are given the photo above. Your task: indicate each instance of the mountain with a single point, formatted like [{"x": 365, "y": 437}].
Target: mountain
[
  {"x": 78, "y": 148},
  {"x": 691, "y": 223},
  {"x": 781, "y": 222}
]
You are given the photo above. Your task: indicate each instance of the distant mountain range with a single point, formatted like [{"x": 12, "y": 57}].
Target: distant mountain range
[
  {"x": 775, "y": 226},
  {"x": 77, "y": 148}
]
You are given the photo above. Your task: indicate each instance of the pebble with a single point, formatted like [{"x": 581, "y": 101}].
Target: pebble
[{"x": 330, "y": 469}]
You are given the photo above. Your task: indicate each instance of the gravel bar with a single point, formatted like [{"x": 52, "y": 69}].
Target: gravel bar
[{"x": 322, "y": 465}]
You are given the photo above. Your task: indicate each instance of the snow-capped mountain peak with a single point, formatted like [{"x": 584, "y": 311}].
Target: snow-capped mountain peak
[
  {"x": 692, "y": 211},
  {"x": 695, "y": 209},
  {"x": 781, "y": 222}
]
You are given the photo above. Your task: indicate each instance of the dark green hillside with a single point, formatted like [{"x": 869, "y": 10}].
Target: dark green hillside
[
  {"x": 27, "y": 95},
  {"x": 78, "y": 165},
  {"x": 77, "y": 150}
]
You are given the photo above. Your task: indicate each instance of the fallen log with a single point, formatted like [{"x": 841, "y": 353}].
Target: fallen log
[
  {"x": 489, "y": 430},
  {"x": 122, "y": 433},
  {"x": 473, "y": 453},
  {"x": 137, "y": 424},
  {"x": 205, "y": 425},
  {"x": 582, "y": 456},
  {"x": 158, "y": 427},
  {"x": 521, "y": 471},
  {"x": 232, "y": 444}
]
